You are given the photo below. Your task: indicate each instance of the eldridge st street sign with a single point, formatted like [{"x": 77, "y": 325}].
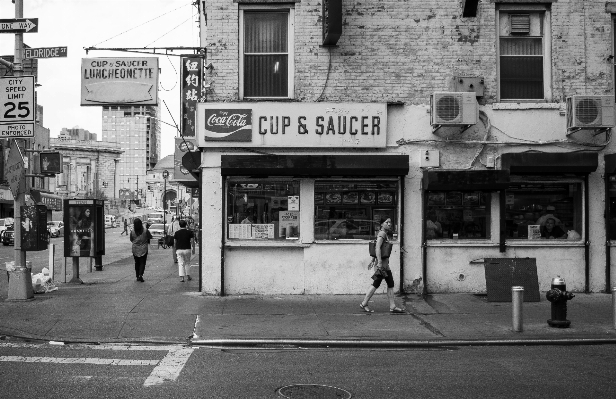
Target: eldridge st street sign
[{"x": 45, "y": 52}]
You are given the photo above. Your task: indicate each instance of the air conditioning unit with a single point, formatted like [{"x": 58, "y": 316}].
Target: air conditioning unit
[
  {"x": 454, "y": 108},
  {"x": 590, "y": 112}
]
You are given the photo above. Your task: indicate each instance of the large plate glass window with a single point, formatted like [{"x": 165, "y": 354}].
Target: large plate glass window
[
  {"x": 523, "y": 52},
  {"x": 353, "y": 209},
  {"x": 538, "y": 210},
  {"x": 263, "y": 209},
  {"x": 266, "y": 40},
  {"x": 457, "y": 215}
]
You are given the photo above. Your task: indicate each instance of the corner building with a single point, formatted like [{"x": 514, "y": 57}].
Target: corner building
[{"x": 470, "y": 124}]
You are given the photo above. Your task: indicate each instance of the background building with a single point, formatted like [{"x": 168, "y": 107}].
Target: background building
[
  {"x": 77, "y": 133},
  {"x": 137, "y": 132}
]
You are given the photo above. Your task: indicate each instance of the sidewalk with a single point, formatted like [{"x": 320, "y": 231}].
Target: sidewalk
[{"x": 112, "y": 307}]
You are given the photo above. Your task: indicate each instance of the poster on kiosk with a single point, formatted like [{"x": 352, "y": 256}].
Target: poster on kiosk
[{"x": 84, "y": 227}]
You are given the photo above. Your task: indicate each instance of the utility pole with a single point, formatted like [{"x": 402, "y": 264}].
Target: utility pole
[{"x": 19, "y": 288}]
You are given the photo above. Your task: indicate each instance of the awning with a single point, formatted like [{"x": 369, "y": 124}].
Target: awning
[
  {"x": 465, "y": 180},
  {"x": 550, "y": 162},
  {"x": 314, "y": 165},
  {"x": 53, "y": 202}
]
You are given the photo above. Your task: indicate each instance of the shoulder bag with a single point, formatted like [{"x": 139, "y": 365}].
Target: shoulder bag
[{"x": 385, "y": 248}]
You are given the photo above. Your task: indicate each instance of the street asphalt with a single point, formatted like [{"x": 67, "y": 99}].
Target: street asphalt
[{"x": 112, "y": 307}]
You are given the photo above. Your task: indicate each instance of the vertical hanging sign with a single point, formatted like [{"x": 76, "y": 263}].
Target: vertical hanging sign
[{"x": 192, "y": 92}]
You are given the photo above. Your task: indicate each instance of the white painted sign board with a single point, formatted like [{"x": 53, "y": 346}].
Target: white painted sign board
[{"x": 17, "y": 106}]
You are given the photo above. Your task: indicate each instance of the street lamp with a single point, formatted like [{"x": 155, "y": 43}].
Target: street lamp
[{"x": 165, "y": 176}]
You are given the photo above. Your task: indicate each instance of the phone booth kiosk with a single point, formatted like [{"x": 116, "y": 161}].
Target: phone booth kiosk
[
  {"x": 34, "y": 235},
  {"x": 84, "y": 228}
]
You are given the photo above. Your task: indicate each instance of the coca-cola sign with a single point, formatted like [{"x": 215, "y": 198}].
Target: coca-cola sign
[{"x": 228, "y": 125}]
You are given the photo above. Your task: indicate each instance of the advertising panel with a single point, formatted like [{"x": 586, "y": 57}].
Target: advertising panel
[
  {"x": 292, "y": 125},
  {"x": 119, "y": 81},
  {"x": 79, "y": 219}
]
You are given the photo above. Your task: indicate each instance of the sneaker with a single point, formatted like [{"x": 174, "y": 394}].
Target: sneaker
[{"x": 189, "y": 278}]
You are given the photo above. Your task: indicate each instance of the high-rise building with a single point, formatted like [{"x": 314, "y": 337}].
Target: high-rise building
[
  {"x": 137, "y": 130},
  {"x": 76, "y": 133}
]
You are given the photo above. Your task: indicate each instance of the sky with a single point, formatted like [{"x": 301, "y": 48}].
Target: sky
[{"x": 103, "y": 23}]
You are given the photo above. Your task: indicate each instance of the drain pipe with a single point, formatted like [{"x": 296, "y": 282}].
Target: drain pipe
[
  {"x": 401, "y": 235},
  {"x": 424, "y": 243},
  {"x": 608, "y": 232},
  {"x": 587, "y": 237},
  {"x": 222, "y": 235}
]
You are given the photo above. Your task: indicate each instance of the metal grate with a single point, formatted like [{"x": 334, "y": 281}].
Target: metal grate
[
  {"x": 313, "y": 391},
  {"x": 520, "y": 24},
  {"x": 448, "y": 108},
  {"x": 504, "y": 273},
  {"x": 587, "y": 110}
]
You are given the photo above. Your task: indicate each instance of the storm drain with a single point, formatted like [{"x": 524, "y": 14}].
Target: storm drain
[{"x": 299, "y": 391}]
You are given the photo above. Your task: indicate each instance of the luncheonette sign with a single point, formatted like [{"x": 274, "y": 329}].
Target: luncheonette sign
[
  {"x": 269, "y": 124},
  {"x": 122, "y": 81}
]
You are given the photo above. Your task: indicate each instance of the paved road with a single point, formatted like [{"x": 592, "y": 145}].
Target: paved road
[{"x": 114, "y": 371}]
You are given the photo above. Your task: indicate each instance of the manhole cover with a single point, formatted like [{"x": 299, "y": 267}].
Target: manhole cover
[{"x": 312, "y": 391}]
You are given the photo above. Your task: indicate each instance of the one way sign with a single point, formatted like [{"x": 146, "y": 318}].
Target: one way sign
[{"x": 19, "y": 25}]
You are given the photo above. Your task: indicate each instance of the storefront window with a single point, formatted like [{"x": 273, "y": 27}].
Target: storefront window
[
  {"x": 263, "y": 209},
  {"x": 612, "y": 193},
  {"x": 353, "y": 209},
  {"x": 544, "y": 210},
  {"x": 458, "y": 215}
]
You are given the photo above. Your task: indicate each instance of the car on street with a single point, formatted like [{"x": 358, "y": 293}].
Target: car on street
[
  {"x": 8, "y": 236},
  {"x": 5, "y": 222},
  {"x": 55, "y": 228},
  {"x": 157, "y": 230}
]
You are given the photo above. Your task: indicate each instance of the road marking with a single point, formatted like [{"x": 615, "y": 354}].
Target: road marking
[
  {"x": 170, "y": 367},
  {"x": 78, "y": 360},
  {"x": 166, "y": 370}
]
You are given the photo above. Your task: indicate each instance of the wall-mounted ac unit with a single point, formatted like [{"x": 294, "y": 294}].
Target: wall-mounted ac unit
[
  {"x": 594, "y": 112},
  {"x": 454, "y": 108}
]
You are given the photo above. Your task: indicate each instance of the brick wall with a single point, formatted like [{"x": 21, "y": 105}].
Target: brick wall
[{"x": 404, "y": 50}]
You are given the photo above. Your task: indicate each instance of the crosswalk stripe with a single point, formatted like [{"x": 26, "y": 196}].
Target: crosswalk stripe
[
  {"x": 170, "y": 367},
  {"x": 78, "y": 360}
]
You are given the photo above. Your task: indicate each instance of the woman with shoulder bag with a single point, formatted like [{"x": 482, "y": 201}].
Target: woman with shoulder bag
[
  {"x": 140, "y": 237},
  {"x": 383, "y": 272}
]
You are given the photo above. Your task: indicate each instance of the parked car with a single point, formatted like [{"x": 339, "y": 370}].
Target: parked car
[
  {"x": 110, "y": 221},
  {"x": 157, "y": 231},
  {"x": 156, "y": 217},
  {"x": 8, "y": 236},
  {"x": 55, "y": 228},
  {"x": 4, "y": 223}
]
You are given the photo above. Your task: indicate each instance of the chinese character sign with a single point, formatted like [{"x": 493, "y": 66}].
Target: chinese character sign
[{"x": 192, "y": 87}]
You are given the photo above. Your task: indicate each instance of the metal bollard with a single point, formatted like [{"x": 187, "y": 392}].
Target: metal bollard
[
  {"x": 517, "y": 299},
  {"x": 614, "y": 305}
]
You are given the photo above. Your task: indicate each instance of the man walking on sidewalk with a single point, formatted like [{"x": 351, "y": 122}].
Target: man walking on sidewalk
[
  {"x": 175, "y": 226},
  {"x": 184, "y": 240}
]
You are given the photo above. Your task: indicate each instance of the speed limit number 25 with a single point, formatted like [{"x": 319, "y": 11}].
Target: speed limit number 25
[{"x": 17, "y": 99}]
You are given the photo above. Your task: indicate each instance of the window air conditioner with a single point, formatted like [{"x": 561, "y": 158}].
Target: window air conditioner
[
  {"x": 454, "y": 108},
  {"x": 590, "y": 112}
]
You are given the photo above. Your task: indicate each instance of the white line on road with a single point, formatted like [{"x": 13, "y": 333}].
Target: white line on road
[
  {"x": 78, "y": 360},
  {"x": 170, "y": 367}
]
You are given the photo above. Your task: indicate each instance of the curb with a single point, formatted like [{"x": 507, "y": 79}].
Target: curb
[{"x": 398, "y": 343}]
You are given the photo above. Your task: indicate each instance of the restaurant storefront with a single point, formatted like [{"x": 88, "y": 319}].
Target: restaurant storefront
[{"x": 298, "y": 215}]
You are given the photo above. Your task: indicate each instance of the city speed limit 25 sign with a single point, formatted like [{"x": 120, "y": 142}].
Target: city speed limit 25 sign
[{"x": 17, "y": 107}]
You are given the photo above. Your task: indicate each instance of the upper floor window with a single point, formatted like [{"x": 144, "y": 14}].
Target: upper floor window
[
  {"x": 524, "y": 52},
  {"x": 266, "y": 52}
]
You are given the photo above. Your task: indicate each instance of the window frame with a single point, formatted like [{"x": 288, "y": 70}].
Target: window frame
[
  {"x": 578, "y": 180},
  {"x": 396, "y": 231},
  {"x": 290, "y": 9},
  {"x": 547, "y": 49}
]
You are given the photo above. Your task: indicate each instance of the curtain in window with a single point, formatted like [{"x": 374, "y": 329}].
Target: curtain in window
[
  {"x": 521, "y": 64},
  {"x": 266, "y": 54}
]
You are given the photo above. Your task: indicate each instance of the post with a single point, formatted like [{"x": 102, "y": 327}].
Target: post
[
  {"x": 614, "y": 305},
  {"x": 75, "y": 279},
  {"x": 19, "y": 288},
  {"x": 52, "y": 255},
  {"x": 517, "y": 299}
]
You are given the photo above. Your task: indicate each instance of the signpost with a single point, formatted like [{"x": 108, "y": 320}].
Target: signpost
[
  {"x": 17, "y": 106},
  {"x": 19, "y": 25},
  {"x": 45, "y": 52}
]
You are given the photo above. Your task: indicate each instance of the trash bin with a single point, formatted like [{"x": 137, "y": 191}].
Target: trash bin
[{"x": 20, "y": 282}]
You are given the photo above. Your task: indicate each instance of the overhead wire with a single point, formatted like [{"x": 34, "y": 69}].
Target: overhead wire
[
  {"x": 138, "y": 26},
  {"x": 171, "y": 30}
]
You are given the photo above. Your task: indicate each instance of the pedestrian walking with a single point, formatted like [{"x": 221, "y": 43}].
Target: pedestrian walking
[
  {"x": 140, "y": 237},
  {"x": 184, "y": 241},
  {"x": 175, "y": 226},
  {"x": 383, "y": 272},
  {"x": 125, "y": 227}
]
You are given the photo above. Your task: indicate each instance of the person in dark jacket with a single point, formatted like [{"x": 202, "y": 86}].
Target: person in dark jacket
[
  {"x": 140, "y": 237},
  {"x": 184, "y": 241}
]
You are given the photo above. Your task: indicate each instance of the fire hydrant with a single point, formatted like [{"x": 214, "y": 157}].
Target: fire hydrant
[{"x": 559, "y": 296}]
